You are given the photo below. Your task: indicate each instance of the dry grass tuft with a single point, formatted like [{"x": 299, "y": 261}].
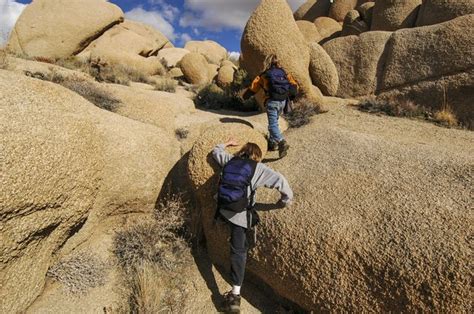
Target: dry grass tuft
[
  {"x": 164, "y": 84},
  {"x": 446, "y": 117},
  {"x": 394, "y": 109},
  {"x": 92, "y": 93},
  {"x": 79, "y": 273},
  {"x": 302, "y": 112},
  {"x": 3, "y": 59},
  {"x": 153, "y": 256}
]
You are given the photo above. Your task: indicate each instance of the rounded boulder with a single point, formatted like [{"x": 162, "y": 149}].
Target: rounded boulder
[
  {"x": 195, "y": 68},
  {"x": 312, "y": 9},
  {"x": 390, "y": 15},
  {"x": 213, "y": 51},
  {"x": 309, "y": 31},
  {"x": 65, "y": 27},
  {"x": 327, "y": 27},
  {"x": 353, "y": 24},
  {"x": 225, "y": 76},
  {"x": 172, "y": 56},
  {"x": 438, "y": 11},
  {"x": 340, "y": 8},
  {"x": 323, "y": 71},
  {"x": 366, "y": 12}
]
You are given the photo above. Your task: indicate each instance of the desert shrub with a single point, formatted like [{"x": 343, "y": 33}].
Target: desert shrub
[
  {"x": 181, "y": 133},
  {"x": 79, "y": 273},
  {"x": 3, "y": 59},
  {"x": 52, "y": 76},
  {"x": 215, "y": 98},
  {"x": 393, "y": 108},
  {"x": 303, "y": 110},
  {"x": 164, "y": 84},
  {"x": 92, "y": 93},
  {"x": 74, "y": 63},
  {"x": 153, "y": 255},
  {"x": 446, "y": 117}
]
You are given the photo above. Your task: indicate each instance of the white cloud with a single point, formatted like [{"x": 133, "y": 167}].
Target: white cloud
[
  {"x": 185, "y": 37},
  {"x": 234, "y": 55},
  {"x": 152, "y": 18},
  {"x": 9, "y": 13},
  {"x": 218, "y": 14}
]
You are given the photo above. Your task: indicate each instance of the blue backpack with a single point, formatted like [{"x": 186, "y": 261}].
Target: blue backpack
[
  {"x": 279, "y": 84},
  {"x": 233, "y": 191}
]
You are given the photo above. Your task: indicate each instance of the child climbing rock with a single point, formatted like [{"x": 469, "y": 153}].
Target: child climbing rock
[
  {"x": 279, "y": 87},
  {"x": 242, "y": 175}
]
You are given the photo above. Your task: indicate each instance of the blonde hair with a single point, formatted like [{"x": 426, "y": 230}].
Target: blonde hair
[
  {"x": 271, "y": 60},
  {"x": 250, "y": 151}
]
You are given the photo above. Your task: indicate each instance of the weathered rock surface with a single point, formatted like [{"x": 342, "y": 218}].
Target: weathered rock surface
[
  {"x": 390, "y": 15},
  {"x": 323, "y": 71},
  {"x": 422, "y": 53},
  {"x": 74, "y": 24},
  {"x": 438, "y": 11},
  {"x": 354, "y": 24},
  {"x": 195, "y": 68},
  {"x": 328, "y": 27},
  {"x": 172, "y": 56},
  {"x": 213, "y": 51},
  {"x": 360, "y": 229},
  {"x": 359, "y": 61},
  {"x": 309, "y": 31},
  {"x": 225, "y": 76},
  {"x": 312, "y": 9},
  {"x": 340, "y": 8},
  {"x": 83, "y": 164},
  {"x": 260, "y": 40}
]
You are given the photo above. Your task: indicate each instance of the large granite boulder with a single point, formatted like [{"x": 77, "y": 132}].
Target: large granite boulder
[
  {"x": 213, "y": 51},
  {"x": 195, "y": 68},
  {"x": 172, "y": 56},
  {"x": 309, "y": 31},
  {"x": 323, "y": 71},
  {"x": 438, "y": 11},
  {"x": 390, "y": 15},
  {"x": 340, "y": 8},
  {"x": 312, "y": 9},
  {"x": 70, "y": 166},
  {"x": 260, "y": 40},
  {"x": 327, "y": 27},
  {"x": 379, "y": 221},
  {"x": 61, "y": 28},
  {"x": 359, "y": 62}
]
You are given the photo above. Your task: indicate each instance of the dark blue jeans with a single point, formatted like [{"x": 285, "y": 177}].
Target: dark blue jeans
[
  {"x": 238, "y": 254},
  {"x": 274, "y": 110}
]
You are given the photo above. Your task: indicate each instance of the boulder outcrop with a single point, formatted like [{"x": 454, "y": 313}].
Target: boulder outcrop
[
  {"x": 312, "y": 9},
  {"x": 70, "y": 165},
  {"x": 366, "y": 11},
  {"x": 390, "y": 15},
  {"x": 359, "y": 61},
  {"x": 195, "y": 68},
  {"x": 74, "y": 24},
  {"x": 213, "y": 51},
  {"x": 438, "y": 11},
  {"x": 260, "y": 40},
  {"x": 323, "y": 71}
]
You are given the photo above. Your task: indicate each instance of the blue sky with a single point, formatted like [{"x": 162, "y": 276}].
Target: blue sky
[{"x": 180, "y": 20}]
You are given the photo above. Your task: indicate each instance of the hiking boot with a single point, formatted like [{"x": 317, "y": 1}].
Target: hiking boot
[
  {"x": 231, "y": 302},
  {"x": 272, "y": 146},
  {"x": 283, "y": 148}
]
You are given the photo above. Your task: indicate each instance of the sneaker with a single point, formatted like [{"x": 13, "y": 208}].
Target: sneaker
[
  {"x": 232, "y": 302},
  {"x": 283, "y": 148},
  {"x": 272, "y": 146}
]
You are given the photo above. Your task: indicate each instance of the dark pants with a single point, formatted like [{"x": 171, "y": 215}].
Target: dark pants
[{"x": 238, "y": 254}]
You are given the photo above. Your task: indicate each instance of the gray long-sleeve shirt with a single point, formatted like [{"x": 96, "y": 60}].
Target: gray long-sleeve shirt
[{"x": 264, "y": 176}]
